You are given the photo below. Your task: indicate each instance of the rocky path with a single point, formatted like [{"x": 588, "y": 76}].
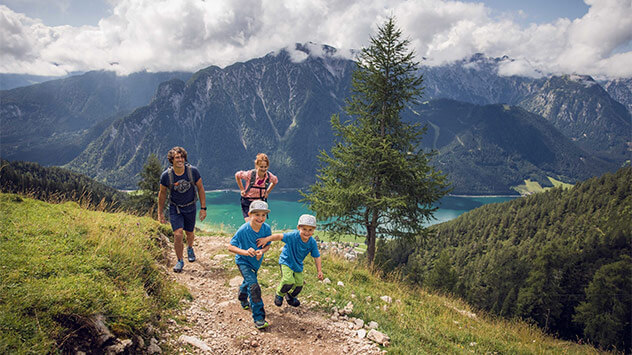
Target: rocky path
[{"x": 215, "y": 323}]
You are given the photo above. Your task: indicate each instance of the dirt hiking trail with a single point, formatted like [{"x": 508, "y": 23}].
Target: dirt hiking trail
[{"x": 215, "y": 323}]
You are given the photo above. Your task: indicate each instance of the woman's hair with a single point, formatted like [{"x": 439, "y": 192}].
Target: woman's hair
[
  {"x": 176, "y": 150},
  {"x": 261, "y": 157}
]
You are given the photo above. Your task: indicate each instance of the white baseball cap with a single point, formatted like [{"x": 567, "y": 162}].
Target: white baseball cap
[
  {"x": 307, "y": 220},
  {"x": 258, "y": 205}
]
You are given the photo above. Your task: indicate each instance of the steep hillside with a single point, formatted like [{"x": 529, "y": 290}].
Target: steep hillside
[
  {"x": 52, "y": 122},
  {"x": 553, "y": 257},
  {"x": 489, "y": 149},
  {"x": 57, "y": 184},
  {"x": 584, "y": 112}
]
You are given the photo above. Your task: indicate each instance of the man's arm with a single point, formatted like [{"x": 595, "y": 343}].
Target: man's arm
[
  {"x": 202, "y": 196},
  {"x": 263, "y": 241},
  {"x": 319, "y": 268},
  {"x": 162, "y": 197}
]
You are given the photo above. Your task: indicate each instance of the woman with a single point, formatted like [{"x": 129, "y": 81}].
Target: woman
[{"x": 259, "y": 183}]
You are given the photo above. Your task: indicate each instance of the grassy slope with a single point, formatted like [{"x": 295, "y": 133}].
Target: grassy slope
[
  {"x": 417, "y": 322},
  {"x": 61, "y": 260}
]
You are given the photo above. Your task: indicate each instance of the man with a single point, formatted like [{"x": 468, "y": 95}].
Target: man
[{"x": 181, "y": 179}]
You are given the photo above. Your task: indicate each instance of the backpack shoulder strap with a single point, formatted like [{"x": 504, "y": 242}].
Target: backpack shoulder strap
[
  {"x": 171, "y": 177},
  {"x": 252, "y": 180},
  {"x": 190, "y": 173}
]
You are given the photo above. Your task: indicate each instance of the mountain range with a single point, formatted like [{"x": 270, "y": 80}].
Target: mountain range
[{"x": 490, "y": 131}]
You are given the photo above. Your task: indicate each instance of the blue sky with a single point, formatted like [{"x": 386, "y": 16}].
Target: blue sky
[{"x": 53, "y": 37}]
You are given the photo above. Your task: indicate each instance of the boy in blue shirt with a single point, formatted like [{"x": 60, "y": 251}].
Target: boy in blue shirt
[
  {"x": 249, "y": 257},
  {"x": 298, "y": 244}
]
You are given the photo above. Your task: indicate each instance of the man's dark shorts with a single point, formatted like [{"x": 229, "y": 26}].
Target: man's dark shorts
[{"x": 185, "y": 220}]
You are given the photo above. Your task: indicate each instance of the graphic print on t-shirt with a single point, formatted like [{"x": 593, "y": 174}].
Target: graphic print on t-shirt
[{"x": 182, "y": 186}]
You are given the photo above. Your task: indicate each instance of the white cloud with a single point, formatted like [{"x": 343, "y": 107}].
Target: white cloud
[{"x": 192, "y": 34}]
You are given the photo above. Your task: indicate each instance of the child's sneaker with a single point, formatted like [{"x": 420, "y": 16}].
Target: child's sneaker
[
  {"x": 245, "y": 305},
  {"x": 260, "y": 324},
  {"x": 179, "y": 266},
  {"x": 278, "y": 300},
  {"x": 190, "y": 254},
  {"x": 292, "y": 301}
]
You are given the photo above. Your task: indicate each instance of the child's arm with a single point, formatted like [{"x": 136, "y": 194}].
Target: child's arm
[
  {"x": 319, "y": 268},
  {"x": 263, "y": 241},
  {"x": 259, "y": 252},
  {"x": 237, "y": 250}
]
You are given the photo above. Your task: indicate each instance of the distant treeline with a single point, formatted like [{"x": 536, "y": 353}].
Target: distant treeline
[
  {"x": 559, "y": 258},
  {"x": 57, "y": 184}
]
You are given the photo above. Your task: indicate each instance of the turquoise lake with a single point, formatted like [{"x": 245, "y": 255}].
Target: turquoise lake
[{"x": 224, "y": 209}]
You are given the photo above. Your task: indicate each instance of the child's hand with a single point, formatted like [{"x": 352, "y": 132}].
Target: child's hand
[
  {"x": 251, "y": 252},
  {"x": 259, "y": 254},
  {"x": 320, "y": 275},
  {"x": 262, "y": 242}
]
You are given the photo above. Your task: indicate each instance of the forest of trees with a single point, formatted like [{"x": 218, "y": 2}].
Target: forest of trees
[
  {"x": 560, "y": 259},
  {"x": 57, "y": 184}
]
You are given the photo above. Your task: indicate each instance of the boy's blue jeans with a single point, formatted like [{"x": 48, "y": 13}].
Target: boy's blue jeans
[{"x": 251, "y": 287}]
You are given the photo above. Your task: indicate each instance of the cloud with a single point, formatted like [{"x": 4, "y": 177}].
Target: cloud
[{"x": 192, "y": 34}]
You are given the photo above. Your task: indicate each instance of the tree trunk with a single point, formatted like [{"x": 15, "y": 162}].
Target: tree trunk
[{"x": 370, "y": 250}]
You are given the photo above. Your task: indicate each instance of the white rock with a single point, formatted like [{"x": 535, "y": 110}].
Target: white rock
[
  {"x": 195, "y": 342},
  {"x": 340, "y": 283},
  {"x": 378, "y": 337},
  {"x": 359, "y": 323},
  {"x": 327, "y": 280},
  {"x": 236, "y": 281},
  {"x": 372, "y": 325},
  {"x": 386, "y": 299},
  {"x": 361, "y": 333},
  {"x": 153, "y": 347}
]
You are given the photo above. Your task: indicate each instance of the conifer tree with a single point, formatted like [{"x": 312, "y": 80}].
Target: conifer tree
[
  {"x": 377, "y": 181},
  {"x": 146, "y": 201}
]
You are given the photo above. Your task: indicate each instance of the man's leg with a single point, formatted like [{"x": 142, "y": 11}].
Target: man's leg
[
  {"x": 178, "y": 243},
  {"x": 178, "y": 246},
  {"x": 190, "y": 239},
  {"x": 189, "y": 229}
]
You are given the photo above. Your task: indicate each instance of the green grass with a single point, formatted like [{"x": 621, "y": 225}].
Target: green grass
[
  {"x": 61, "y": 263},
  {"x": 531, "y": 187},
  {"x": 418, "y": 322}
]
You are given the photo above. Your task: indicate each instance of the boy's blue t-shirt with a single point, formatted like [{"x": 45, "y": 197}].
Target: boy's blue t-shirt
[
  {"x": 295, "y": 250},
  {"x": 183, "y": 190},
  {"x": 246, "y": 238}
]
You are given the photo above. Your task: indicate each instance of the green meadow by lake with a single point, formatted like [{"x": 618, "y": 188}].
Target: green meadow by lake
[{"x": 224, "y": 209}]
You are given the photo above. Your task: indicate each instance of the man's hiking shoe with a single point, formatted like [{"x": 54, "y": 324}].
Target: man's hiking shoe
[
  {"x": 179, "y": 266},
  {"x": 294, "y": 302},
  {"x": 278, "y": 300},
  {"x": 191, "y": 254},
  {"x": 261, "y": 324}
]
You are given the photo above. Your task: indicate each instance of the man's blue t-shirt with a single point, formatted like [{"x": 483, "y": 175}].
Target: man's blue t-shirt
[
  {"x": 295, "y": 250},
  {"x": 183, "y": 190},
  {"x": 246, "y": 238}
]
